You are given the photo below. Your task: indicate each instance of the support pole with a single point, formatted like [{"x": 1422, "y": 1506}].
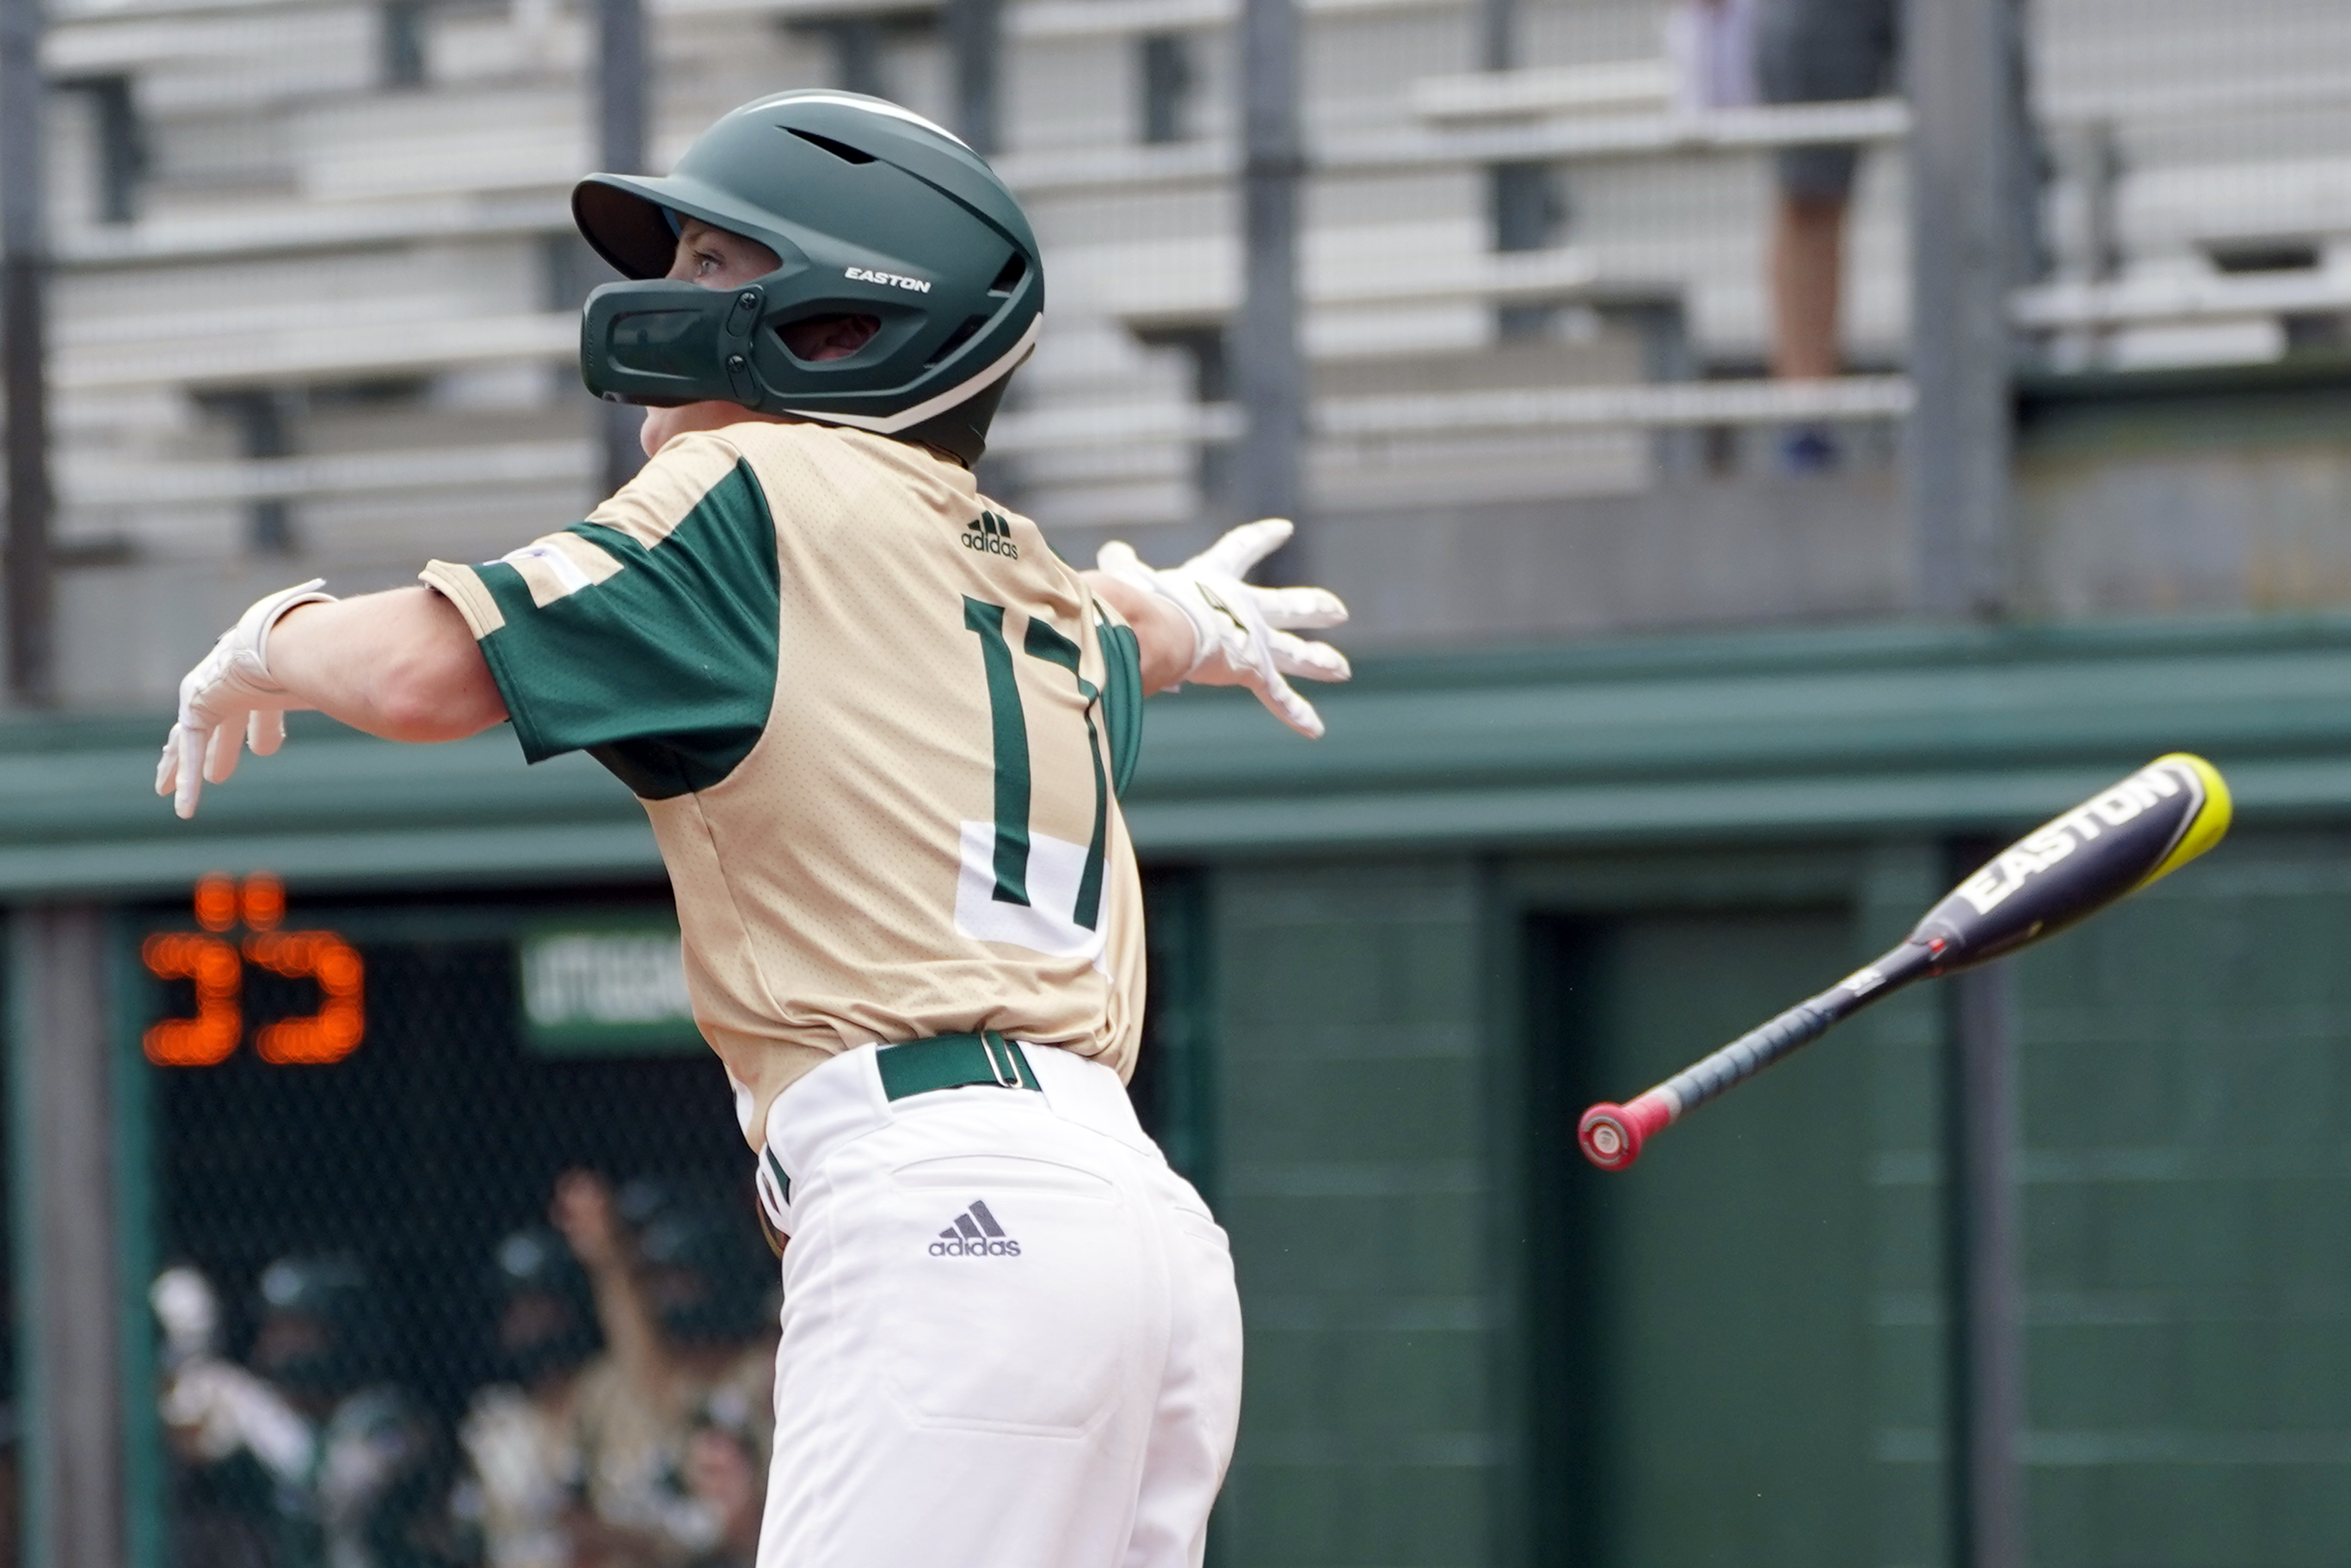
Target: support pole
[
  {"x": 621, "y": 149},
  {"x": 974, "y": 30},
  {"x": 68, "y": 1297},
  {"x": 1497, "y": 33},
  {"x": 1982, "y": 1268},
  {"x": 1964, "y": 166},
  {"x": 1269, "y": 366},
  {"x": 27, "y": 561}
]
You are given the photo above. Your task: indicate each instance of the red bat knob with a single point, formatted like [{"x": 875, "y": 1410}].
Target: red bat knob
[{"x": 1612, "y": 1135}]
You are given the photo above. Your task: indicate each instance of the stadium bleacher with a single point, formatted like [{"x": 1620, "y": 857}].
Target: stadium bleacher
[{"x": 298, "y": 223}]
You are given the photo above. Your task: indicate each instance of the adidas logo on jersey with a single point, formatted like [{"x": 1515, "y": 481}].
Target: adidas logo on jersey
[
  {"x": 990, "y": 535},
  {"x": 975, "y": 1234}
]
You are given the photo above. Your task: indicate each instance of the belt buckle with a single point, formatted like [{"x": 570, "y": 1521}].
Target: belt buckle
[{"x": 989, "y": 1041}]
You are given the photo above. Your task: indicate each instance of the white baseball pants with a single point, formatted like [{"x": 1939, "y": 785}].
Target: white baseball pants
[{"x": 1010, "y": 1335}]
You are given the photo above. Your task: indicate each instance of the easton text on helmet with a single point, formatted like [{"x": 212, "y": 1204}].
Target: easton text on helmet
[{"x": 865, "y": 275}]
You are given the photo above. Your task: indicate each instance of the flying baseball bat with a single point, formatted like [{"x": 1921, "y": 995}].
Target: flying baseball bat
[{"x": 2101, "y": 851}]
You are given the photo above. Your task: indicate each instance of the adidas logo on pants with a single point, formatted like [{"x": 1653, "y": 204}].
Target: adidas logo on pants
[{"x": 975, "y": 1234}]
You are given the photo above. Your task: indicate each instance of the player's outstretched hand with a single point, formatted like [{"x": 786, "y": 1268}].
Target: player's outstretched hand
[
  {"x": 230, "y": 700},
  {"x": 1242, "y": 632}
]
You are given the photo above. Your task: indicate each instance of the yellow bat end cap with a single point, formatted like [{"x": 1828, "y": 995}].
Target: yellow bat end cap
[{"x": 2210, "y": 821}]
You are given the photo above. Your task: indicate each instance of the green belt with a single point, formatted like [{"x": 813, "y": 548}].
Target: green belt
[
  {"x": 953, "y": 1061},
  {"x": 919, "y": 1066}
]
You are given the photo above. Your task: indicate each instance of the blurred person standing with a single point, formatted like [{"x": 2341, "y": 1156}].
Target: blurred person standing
[
  {"x": 520, "y": 1434},
  {"x": 350, "y": 1465},
  {"x": 708, "y": 1282},
  {"x": 1816, "y": 51},
  {"x": 680, "y": 1301},
  {"x": 1711, "y": 44},
  {"x": 229, "y": 1435}
]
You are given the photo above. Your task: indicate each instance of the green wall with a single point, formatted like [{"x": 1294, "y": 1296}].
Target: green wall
[
  {"x": 2187, "y": 1201},
  {"x": 1354, "y": 1177},
  {"x": 1465, "y": 1348},
  {"x": 1705, "y": 1310}
]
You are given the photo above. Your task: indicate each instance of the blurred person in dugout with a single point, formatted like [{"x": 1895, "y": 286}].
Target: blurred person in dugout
[
  {"x": 306, "y": 1455},
  {"x": 672, "y": 1422},
  {"x": 1732, "y": 53},
  {"x": 522, "y": 1468}
]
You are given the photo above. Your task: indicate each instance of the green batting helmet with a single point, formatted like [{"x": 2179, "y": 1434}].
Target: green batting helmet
[
  {"x": 874, "y": 211},
  {"x": 334, "y": 1291}
]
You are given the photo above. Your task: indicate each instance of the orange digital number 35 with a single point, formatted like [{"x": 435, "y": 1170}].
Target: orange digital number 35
[{"x": 215, "y": 963}]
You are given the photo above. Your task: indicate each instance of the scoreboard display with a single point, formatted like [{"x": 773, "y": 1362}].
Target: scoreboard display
[{"x": 213, "y": 959}]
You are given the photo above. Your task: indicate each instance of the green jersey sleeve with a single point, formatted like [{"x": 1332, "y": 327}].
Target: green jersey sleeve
[
  {"x": 645, "y": 636},
  {"x": 1122, "y": 696}
]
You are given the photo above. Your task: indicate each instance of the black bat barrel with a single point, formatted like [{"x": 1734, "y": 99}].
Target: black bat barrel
[{"x": 2071, "y": 867}]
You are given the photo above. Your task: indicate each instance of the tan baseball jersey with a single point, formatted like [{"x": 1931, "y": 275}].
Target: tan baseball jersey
[{"x": 880, "y": 730}]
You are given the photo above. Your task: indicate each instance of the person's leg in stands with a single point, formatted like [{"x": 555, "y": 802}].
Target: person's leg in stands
[{"x": 1816, "y": 51}]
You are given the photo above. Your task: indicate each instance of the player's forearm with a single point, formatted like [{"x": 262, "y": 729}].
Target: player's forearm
[
  {"x": 401, "y": 664},
  {"x": 631, "y": 1331},
  {"x": 1162, "y": 634}
]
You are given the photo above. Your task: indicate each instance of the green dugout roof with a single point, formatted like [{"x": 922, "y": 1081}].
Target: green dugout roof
[{"x": 1792, "y": 734}]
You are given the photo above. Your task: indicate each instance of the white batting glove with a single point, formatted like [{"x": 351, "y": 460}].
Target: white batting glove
[
  {"x": 230, "y": 700},
  {"x": 1240, "y": 632}
]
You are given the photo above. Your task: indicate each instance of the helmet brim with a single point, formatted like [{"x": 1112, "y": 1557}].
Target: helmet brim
[{"x": 624, "y": 218}]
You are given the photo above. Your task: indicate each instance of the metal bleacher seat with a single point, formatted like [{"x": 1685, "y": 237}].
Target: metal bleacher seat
[{"x": 2202, "y": 205}]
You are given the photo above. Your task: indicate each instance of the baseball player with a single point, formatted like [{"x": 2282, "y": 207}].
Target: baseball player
[{"x": 880, "y": 731}]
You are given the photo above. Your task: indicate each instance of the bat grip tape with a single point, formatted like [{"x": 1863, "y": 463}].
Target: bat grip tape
[{"x": 1751, "y": 1053}]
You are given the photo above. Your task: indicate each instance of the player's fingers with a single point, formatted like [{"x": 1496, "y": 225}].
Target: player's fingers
[
  {"x": 265, "y": 731},
  {"x": 1242, "y": 547},
  {"x": 223, "y": 747},
  {"x": 1287, "y": 706},
  {"x": 189, "y": 776},
  {"x": 1309, "y": 661},
  {"x": 1308, "y": 607},
  {"x": 167, "y": 769}
]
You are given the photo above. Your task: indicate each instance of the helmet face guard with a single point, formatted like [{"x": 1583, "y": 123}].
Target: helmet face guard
[
  {"x": 663, "y": 343},
  {"x": 870, "y": 211}
]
